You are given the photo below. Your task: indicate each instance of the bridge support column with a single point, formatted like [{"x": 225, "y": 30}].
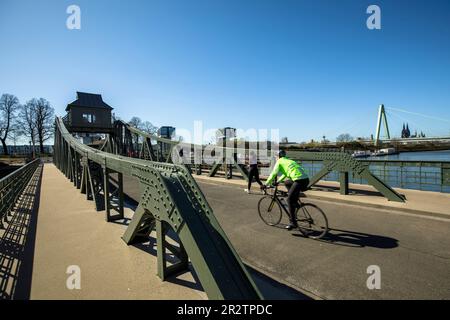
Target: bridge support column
[
  {"x": 343, "y": 179},
  {"x": 140, "y": 227},
  {"x": 92, "y": 183},
  {"x": 113, "y": 198},
  {"x": 84, "y": 189},
  {"x": 106, "y": 193},
  {"x": 214, "y": 170},
  {"x": 121, "y": 200},
  {"x": 77, "y": 171},
  {"x": 165, "y": 271}
]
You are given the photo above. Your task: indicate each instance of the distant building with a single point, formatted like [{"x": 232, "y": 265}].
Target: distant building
[
  {"x": 405, "y": 131},
  {"x": 407, "y": 134},
  {"x": 166, "y": 132}
]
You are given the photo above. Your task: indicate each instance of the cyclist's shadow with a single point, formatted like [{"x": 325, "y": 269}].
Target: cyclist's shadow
[{"x": 357, "y": 239}]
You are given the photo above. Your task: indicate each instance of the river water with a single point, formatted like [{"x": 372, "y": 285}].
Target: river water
[{"x": 417, "y": 156}]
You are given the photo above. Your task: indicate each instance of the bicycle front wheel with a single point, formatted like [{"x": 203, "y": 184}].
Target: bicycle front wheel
[
  {"x": 312, "y": 221},
  {"x": 269, "y": 210}
]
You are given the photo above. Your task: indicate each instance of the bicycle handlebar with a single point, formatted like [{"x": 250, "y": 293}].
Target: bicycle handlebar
[{"x": 275, "y": 186}]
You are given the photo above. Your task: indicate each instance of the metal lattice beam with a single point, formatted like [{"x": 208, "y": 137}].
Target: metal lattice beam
[
  {"x": 170, "y": 199},
  {"x": 332, "y": 161},
  {"x": 345, "y": 164}
]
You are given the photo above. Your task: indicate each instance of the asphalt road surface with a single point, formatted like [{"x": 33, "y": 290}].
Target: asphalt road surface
[{"x": 412, "y": 252}]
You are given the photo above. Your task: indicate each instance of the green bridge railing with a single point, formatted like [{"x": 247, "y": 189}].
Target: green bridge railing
[
  {"x": 12, "y": 186},
  {"x": 170, "y": 200},
  {"x": 128, "y": 140}
]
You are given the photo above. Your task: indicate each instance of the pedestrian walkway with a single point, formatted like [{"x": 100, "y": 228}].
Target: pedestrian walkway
[{"x": 71, "y": 233}]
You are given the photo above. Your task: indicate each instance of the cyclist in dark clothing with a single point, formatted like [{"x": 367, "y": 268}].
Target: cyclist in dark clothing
[
  {"x": 296, "y": 181},
  {"x": 253, "y": 171}
]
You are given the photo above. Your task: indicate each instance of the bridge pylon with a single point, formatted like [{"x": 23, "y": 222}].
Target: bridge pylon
[{"x": 381, "y": 117}]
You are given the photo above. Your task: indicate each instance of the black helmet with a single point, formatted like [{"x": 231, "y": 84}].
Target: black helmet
[{"x": 282, "y": 153}]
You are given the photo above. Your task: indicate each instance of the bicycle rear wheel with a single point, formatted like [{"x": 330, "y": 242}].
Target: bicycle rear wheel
[
  {"x": 269, "y": 210},
  {"x": 312, "y": 221}
]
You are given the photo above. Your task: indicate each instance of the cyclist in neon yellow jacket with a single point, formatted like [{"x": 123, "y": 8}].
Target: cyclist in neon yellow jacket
[{"x": 296, "y": 180}]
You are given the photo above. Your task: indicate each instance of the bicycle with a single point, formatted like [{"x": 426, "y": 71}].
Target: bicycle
[{"x": 312, "y": 221}]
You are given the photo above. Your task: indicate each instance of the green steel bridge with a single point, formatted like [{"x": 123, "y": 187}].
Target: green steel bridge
[{"x": 170, "y": 199}]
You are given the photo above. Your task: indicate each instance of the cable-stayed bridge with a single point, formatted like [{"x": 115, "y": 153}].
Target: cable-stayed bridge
[{"x": 406, "y": 136}]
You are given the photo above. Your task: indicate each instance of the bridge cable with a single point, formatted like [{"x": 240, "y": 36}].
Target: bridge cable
[
  {"x": 392, "y": 113},
  {"x": 419, "y": 114}
]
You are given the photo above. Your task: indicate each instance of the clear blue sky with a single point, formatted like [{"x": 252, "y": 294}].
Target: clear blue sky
[{"x": 306, "y": 67}]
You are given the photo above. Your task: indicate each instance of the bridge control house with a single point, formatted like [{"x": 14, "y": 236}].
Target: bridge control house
[{"x": 89, "y": 114}]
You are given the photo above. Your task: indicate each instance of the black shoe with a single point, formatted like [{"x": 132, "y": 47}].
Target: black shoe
[{"x": 291, "y": 226}]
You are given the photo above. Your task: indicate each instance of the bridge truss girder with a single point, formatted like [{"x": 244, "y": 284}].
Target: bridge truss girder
[
  {"x": 332, "y": 161},
  {"x": 170, "y": 200},
  {"x": 345, "y": 165}
]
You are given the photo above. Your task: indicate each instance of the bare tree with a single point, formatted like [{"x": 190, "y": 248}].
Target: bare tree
[
  {"x": 45, "y": 115},
  {"x": 9, "y": 105},
  {"x": 27, "y": 119},
  {"x": 135, "y": 122},
  {"x": 345, "y": 137},
  {"x": 148, "y": 127},
  {"x": 15, "y": 133}
]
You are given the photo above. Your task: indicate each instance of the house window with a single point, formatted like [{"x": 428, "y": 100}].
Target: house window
[{"x": 89, "y": 118}]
